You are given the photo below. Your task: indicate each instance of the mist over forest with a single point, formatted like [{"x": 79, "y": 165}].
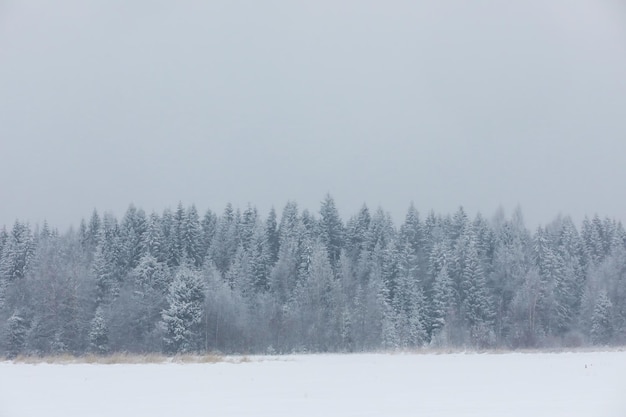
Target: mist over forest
[{"x": 238, "y": 282}]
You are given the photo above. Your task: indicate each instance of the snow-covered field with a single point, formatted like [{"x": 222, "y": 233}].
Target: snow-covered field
[{"x": 482, "y": 385}]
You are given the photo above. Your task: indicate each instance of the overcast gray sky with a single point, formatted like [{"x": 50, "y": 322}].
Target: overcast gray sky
[{"x": 444, "y": 103}]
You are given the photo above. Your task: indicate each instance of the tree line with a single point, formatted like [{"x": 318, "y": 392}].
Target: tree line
[{"x": 238, "y": 282}]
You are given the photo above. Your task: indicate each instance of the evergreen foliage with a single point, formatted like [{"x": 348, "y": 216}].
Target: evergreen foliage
[
  {"x": 99, "y": 334},
  {"x": 183, "y": 316},
  {"x": 239, "y": 282},
  {"x": 601, "y": 321}
]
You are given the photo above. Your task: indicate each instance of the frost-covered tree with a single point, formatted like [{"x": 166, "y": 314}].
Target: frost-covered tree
[
  {"x": 131, "y": 236},
  {"x": 356, "y": 233},
  {"x": 272, "y": 238},
  {"x": 15, "y": 337},
  {"x": 317, "y": 303},
  {"x": 17, "y": 253},
  {"x": 239, "y": 275},
  {"x": 99, "y": 333},
  {"x": 249, "y": 223},
  {"x": 442, "y": 306},
  {"x": 224, "y": 244},
  {"x": 150, "y": 274},
  {"x": 411, "y": 230},
  {"x": 259, "y": 261},
  {"x": 602, "y": 320},
  {"x": 331, "y": 230},
  {"x": 191, "y": 238},
  {"x": 105, "y": 272},
  {"x": 477, "y": 304},
  {"x": 511, "y": 260},
  {"x": 153, "y": 243},
  {"x": 303, "y": 285},
  {"x": 209, "y": 225},
  {"x": 408, "y": 302},
  {"x": 183, "y": 315}
]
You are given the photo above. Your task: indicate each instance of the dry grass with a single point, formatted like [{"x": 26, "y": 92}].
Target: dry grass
[
  {"x": 128, "y": 358},
  {"x": 209, "y": 358}
]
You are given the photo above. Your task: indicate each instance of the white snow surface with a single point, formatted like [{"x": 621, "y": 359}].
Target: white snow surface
[{"x": 485, "y": 385}]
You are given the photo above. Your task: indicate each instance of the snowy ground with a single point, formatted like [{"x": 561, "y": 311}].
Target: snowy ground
[{"x": 485, "y": 385}]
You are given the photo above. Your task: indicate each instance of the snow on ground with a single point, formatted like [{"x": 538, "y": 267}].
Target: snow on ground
[{"x": 482, "y": 385}]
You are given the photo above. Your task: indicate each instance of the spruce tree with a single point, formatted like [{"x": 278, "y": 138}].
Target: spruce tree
[
  {"x": 182, "y": 317},
  {"x": 272, "y": 240},
  {"x": 408, "y": 301},
  {"x": 17, "y": 253},
  {"x": 442, "y": 301},
  {"x": 16, "y": 331},
  {"x": 356, "y": 231},
  {"x": 99, "y": 334},
  {"x": 602, "y": 322},
  {"x": 331, "y": 230},
  {"x": 477, "y": 303},
  {"x": 191, "y": 237},
  {"x": 249, "y": 224},
  {"x": 209, "y": 225},
  {"x": 224, "y": 244}
]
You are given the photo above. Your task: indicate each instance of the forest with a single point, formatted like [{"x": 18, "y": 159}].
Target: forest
[{"x": 239, "y": 282}]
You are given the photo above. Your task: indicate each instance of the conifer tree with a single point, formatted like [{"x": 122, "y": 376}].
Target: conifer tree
[
  {"x": 411, "y": 230},
  {"x": 443, "y": 299},
  {"x": 224, "y": 244},
  {"x": 272, "y": 240},
  {"x": 131, "y": 234},
  {"x": 17, "y": 253},
  {"x": 209, "y": 225},
  {"x": 4, "y": 236},
  {"x": 183, "y": 316},
  {"x": 249, "y": 224},
  {"x": 331, "y": 230},
  {"x": 191, "y": 236},
  {"x": 152, "y": 242},
  {"x": 356, "y": 233},
  {"x": 176, "y": 238},
  {"x": 93, "y": 229},
  {"x": 99, "y": 334},
  {"x": 317, "y": 303},
  {"x": 477, "y": 303},
  {"x": 408, "y": 301},
  {"x": 105, "y": 272},
  {"x": 259, "y": 261},
  {"x": 602, "y": 321},
  {"x": 15, "y": 334}
]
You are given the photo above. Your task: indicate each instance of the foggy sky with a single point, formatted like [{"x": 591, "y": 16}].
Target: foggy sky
[{"x": 444, "y": 103}]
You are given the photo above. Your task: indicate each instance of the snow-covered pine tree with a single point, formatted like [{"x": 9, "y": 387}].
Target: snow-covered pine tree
[
  {"x": 259, "y": 261},
  {"x": 99, "y": 333},
  {"x": 15, "y": 337},
  {"x": 191, "y": 237},
  {"x": 272, "y": 239},
  {"x": 316, "y": 303},
  {"x": 442, "y": 302},
  {"x": 17, "y": 253},
  {"x": 152, "y": 243},
  {"x": 408, "y": 301},
  {"x": 249, "y": 223},
  {"x": 182, "y": 317},
  {"x": 224, "y": 244},
  {"x": 602, "y": 320},
  {"x": 477, "y": 303},
  {"x": 105, "y": 273},
  {"x": 209, "y": 225},
  {"x": 132, "y": 230},
  {"x": 355, "y": 233},
  {"x": 331, "y": 230}
]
